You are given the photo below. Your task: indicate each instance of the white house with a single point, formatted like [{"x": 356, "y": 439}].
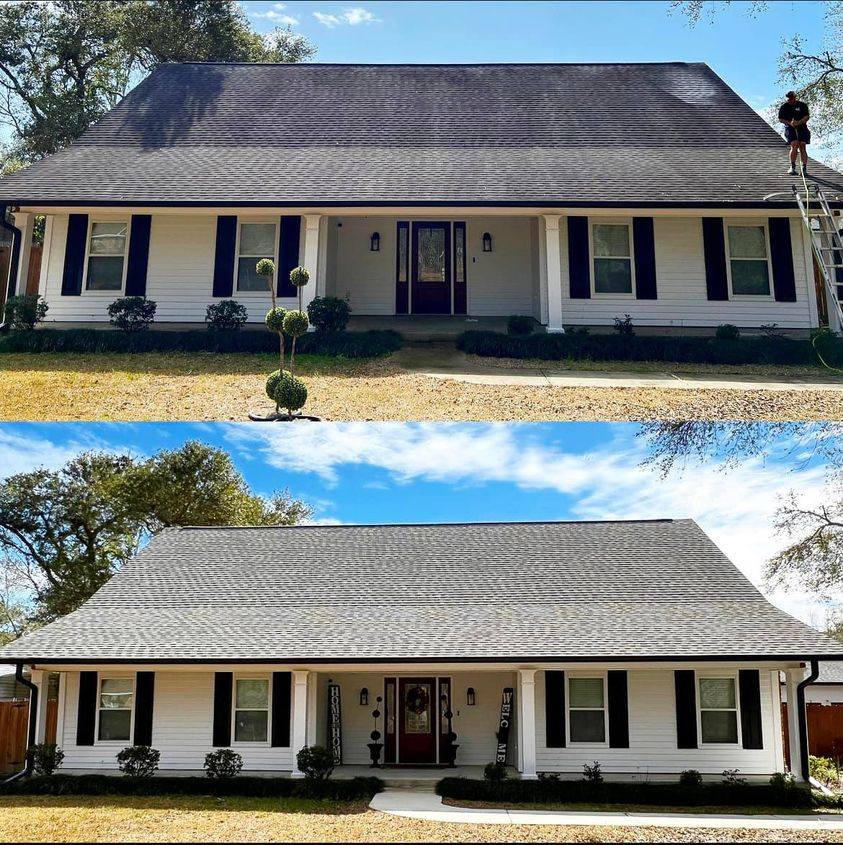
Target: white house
[
  {"x": 573, "y": 193},
  {"x": 638, "y": 644}
]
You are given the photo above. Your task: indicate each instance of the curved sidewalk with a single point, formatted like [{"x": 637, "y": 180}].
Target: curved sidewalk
[{"x": 425, "y": 805}]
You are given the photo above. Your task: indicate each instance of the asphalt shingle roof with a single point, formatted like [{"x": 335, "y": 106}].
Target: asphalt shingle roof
[
  {"x": 543, "y": 134},
  {"x": 562, "y": 590}
]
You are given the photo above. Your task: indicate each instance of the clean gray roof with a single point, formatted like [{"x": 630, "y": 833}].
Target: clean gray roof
[
  {"x": 559, "y": 590},
  {"x": 535, "y": 134}
]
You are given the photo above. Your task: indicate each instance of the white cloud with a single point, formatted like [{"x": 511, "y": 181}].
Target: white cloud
[
  {"x": 277, "y": 15},
  {"x": 24, "y": 453},
  {"x": 351, "y": 17}
]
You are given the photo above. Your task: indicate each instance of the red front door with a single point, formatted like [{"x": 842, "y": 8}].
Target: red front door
[{"x": 417, "y": 721}]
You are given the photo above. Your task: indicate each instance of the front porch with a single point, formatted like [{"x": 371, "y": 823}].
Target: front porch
[{"x": 415, "y": 327}]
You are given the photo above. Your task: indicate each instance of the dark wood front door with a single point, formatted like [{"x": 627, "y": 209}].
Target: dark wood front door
[
  {"x": 431, "y": 268},
  {"x": 417, "y": 721}
]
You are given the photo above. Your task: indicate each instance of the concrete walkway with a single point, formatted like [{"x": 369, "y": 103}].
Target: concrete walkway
[{"x": 425, "y": 805}]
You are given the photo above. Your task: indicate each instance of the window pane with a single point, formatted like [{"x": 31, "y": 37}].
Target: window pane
[
  {"x": 613, "y": 275},
  {"x": 252, "y": 694},
  {"x": 116, "y": 692},
  {"x": 431, "y": 254},
  {"x": 257, "y": 239},
  {"x": 586, "y": 692},
  {"x": 719, "y": 725},
  {"x": 747, "y": 242},
  {"x": 611, "y": 240},
  {"x": 247, "y": 275},
  {"x": 105, "y": 273},
  {"x": 108, "y": 238},
  {"x": 750, "y": 277},
  {"x": 717, "y": 692},
  {"x": 115, "y": 724},
  {"x": 587, "y": 726},
  {"x": 459, "y": 254},
  {"x": 250, "y": 725}
]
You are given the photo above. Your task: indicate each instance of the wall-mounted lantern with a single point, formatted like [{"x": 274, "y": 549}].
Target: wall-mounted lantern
[
  {"x": 364, "y": 697},
  {"x": 376, "y": 242},
  {"x": 487, "y": 242},
  {"x": 470, "y": 697}
]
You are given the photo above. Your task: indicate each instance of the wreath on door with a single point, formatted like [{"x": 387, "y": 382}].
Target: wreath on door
[{"x": 417, "y": 700}]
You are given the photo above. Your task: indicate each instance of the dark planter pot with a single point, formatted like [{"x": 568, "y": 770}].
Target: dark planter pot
[
  {"x": 375, "y": 753},
  {"x": 449, "y": 753}
]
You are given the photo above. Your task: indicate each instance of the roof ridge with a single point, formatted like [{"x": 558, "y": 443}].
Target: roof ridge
[{"x": 439, "y": 64}]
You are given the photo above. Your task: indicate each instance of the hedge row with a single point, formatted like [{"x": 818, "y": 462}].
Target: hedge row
[
  {"x": 670, "y": 348},
  {"x": 356, "y": 789},
  {"x": 367, "y": 344},
  {"x": 649, "y": 794}
]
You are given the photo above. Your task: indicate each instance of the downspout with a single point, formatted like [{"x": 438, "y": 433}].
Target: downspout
[
  {"x": 11, "y": 283},
  {"x": 803, "y": 718},
  {"x": 33, "y": 715}
]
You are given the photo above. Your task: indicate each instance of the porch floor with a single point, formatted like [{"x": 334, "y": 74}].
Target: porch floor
[
  {"x": 433, "y": 327},
  {"x": 406, "y": 777}
]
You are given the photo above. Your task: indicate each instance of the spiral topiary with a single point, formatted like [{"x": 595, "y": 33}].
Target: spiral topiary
[
  {"x": 275, "y": 319},
  {"x": 290, "y": 392},
  {"x": 295, "y": 323},
  {"x": 299, "y": 277},
  {"x": 265, "y": 267}
]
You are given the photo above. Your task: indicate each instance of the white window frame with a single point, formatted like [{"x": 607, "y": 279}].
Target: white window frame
[
  {"x": 234, "y": 708},
  {"x": 731, "y": 674},
  {"x": 611, "y": 221},
  {"x": 86, "y": 291},
  {"x": 602, "y": 675},
  {"x": 751, "y": 223},
  {"x": 115, "y": 677},
  {"x": 236, "y": 292}
]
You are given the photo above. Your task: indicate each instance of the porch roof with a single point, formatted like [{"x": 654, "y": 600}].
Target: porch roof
[{"x": 499, "y": 591}]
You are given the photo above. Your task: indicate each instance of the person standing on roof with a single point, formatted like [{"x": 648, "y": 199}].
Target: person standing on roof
[{"x": 794, "y": 115}]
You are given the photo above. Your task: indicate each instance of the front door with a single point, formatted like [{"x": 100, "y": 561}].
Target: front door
[
  {"x": 417, "y": 721},
  {"x": 431, "y": 268}
]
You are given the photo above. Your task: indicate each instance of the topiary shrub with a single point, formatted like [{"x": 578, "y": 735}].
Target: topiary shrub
[
  {"x": 132, "y": 313},
  {"x": 296, "y": 323},
  {"x": 223, "y": 764},
  {"x": 266, "y": 268},
  {"x": 329, "y": 313},
  {"x": 275, "y": 319},
  {"x": 45, "y": 757},
  {"x": 315, "y": 762},
  {"x": 299, "y": 277},
  {"x": 726, "y": 331},
  {"x": 495, "y": 772},
  {"x": 138, "y": 761},
  {"x": 519, "y": 326},
  {"x": 690, "y": 777},
  {"x": 226, "y": 315},
  {"x": 24, "y": 311},
  {"x": 290, "y": 392}
]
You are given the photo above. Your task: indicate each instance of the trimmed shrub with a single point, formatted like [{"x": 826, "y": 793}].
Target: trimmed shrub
[
  {"x": 275, "y": 319},
  {"x": 690, "y": 777},
  {"x": 726, "y": 331},
  {"x": 226, "y": 315},
  {"x": 265, "y": 267},
  {"x": 223, "y": 764},
  {"x": 623, "y": 326},
  {"x": 519, "y": 326},
  {"x": 296, "y": 323},
  {"x": 286, "y": 390},
  {"x": 46, "y": 757},
  {"x": 299, "y": 277},
  {"x": 132, "y": 313},
  {"x": 25, "y": 310},
  {"x": 329, "y": 313},
  {"x": 495, "y": 771},
  {"x": 316, "y": 762},
  {"x": 138, "y": 761}
]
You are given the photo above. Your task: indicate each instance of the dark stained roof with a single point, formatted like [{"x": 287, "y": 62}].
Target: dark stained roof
[
  {"x": 536, "y": 134},
  {"x": 561, "y": 590},
  {"x": 831, "y": 672}
]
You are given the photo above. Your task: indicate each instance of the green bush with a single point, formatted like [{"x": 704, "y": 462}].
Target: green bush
[
  {"x": 46, "y": 757},
  {"x": 265, "y": 267},
  {"x": 726, "y": 331},
  {"x": 495, "y": 771},
  {"x": 329, "y": 313},
  {"x": 132, "y": 313},
  {"x": 226, "y": 315},
  {"x": 623, "y": 326},
  {"x": 289, "y": 391},
  {"x": 138, "y": 761},
  {"x": 592, "y": 774},
  {"x": 223, "y": 764},
  {"x": 275, "y": 318},
  {"x": 299, "y": 277},
  {"x": 824, "y": 770},
  {"x": 520, "y": 326},
  {"x": 25, "y": 310},
  {"x": 549, "y": 791},
  {"x": 295, "y": 323},
  {"x": 783, "y": 780},
  {"x": 690, "y": 777},
  {"x": 316, "y": 762}
]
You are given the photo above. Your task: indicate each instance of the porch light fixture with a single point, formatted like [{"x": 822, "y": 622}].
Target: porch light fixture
[
  {"x": 376, "y": 242},
  {"x": 470, "y": 697},
  {"x": 364, "y": 697},
  {"x": 487, "y": 242}
]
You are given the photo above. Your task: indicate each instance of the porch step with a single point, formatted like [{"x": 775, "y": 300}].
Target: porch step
[{"x": 407, "y": 783}]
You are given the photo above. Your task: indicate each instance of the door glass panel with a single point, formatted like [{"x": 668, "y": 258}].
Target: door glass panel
[
  {"x": 459, "y": 253},
  {"x": 403, "y": 251},
  {"x": 390, "y": 708},
  {"x": 417, "y": 709},
  {"x": 431, "y": 257}
]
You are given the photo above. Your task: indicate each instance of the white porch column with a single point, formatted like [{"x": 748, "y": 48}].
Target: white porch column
[
  {"x": 794, "y": 676},
  {"x": 40, "y": 679},
  {"x": 298, "y": 738},
  {"x": 554, "y": 273},
  {"x": 312, "y": 691},
  {"x": 25, "y": 221},
  {"x": 310, "y": 260},
  {"x": 542, "y": 241},
  {"x": 527, "y": 723}
]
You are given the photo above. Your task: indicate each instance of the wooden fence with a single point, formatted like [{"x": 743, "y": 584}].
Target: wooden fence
[
  {"x": 825, "y": 730},
  {"x": 33, "y": 274},
  {"x": 14, "y": 725}
]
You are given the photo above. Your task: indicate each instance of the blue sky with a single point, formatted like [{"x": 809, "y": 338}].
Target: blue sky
[{"x": 392, "y": 472}]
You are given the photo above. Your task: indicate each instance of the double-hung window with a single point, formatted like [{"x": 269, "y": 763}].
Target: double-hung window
[
  {"x": 587, "y": 709},
  {"x": 718, "y": 709},
  {"x": 107, "y": 243},
  {"x": 251, "y": 710},
  {"x": 257, "y": 241},
  {"x": 114, "y": 709},
  {"x": 749, "y": 266},
  {"x": 612, "y": 247}
]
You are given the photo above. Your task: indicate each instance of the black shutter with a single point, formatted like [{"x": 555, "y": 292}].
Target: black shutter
[
  {"x": 74, "y": 255},
  {"x": 144, "y": 703},
  {"x": 618, "y": 709},
  {"x": 686, "y": 708},
  {"x": 86, "y": 713},
  {"x": 138, "y": 255},
  {"x": 781, "y": 257},
  {"x": 645, "y": 258},
  {"x": 554, "y": 709},
  {"x": 288, "y": 254},
  {"x": 714, "y": 249},
  {"x": 224, "y": 255},
  {"x": 749, "y": 681},
  {"x": 223, "y": 682},
  {"x": 281, "y": 686},
  {"x": 579, "y": 274}
]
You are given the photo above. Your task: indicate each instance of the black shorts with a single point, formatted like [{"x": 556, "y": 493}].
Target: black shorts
[{"x": 797, "y": 133}]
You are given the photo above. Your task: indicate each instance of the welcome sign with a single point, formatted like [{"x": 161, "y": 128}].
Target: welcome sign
[
  {"x": 503, "y": 725},
  {"x": 335, "y": 722}
]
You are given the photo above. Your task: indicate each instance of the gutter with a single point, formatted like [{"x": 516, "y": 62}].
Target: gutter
[
  {"x": 803, "y": 718},
  {"x": 33, "y": 712},
  {"x": 14, "y": 261}
]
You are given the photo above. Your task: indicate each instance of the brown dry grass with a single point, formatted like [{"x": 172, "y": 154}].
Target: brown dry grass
[
  {"x": 205, "y": 386},
  {"x": 117, "y": 819}
]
